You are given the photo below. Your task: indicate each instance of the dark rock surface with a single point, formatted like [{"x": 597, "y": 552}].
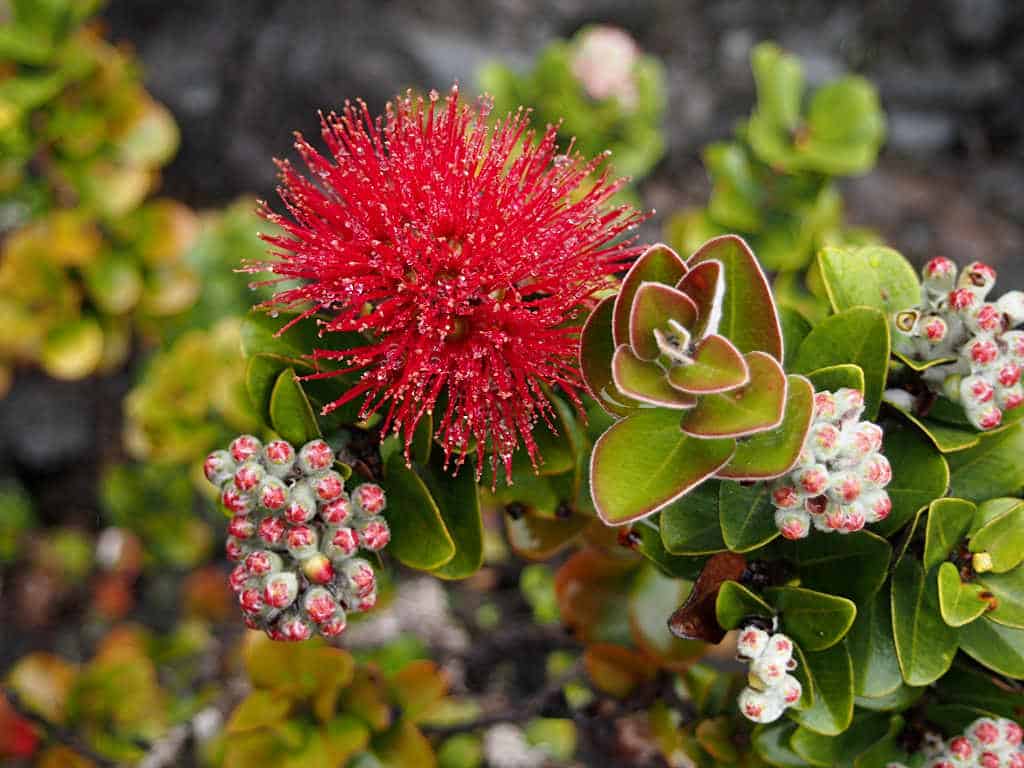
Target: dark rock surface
[{"x": 240, "y": 75}]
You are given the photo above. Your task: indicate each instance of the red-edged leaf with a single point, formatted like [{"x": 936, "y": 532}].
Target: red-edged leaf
[
  {"x": 646, "y": 381},
  {"x": 749, "y": 318},
  {"x": 653, "y": 306},
  {"x": 644, "y": 463},
  {"x": 705, "y": 286},
  {"x": 717, "y": 367},
  {"x": 747, "y": 410},
  {"x": 658, "y": 264},
  {"x": 696, "y": 619},
  {"x": 596, "y": 352},
  {"x": 773, "y": 453}
]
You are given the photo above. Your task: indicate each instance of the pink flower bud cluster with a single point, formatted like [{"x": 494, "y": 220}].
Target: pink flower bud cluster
[
  {"x": 955, "y": 321},
  {"x": 295, "y": 535},
  {"x": 838, "y": 484},
  {"x": 770, "y": 689},
  {"x": 987, "y": 743}
]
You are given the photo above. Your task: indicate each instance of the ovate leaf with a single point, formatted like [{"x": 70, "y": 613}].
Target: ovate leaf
[
  {"x": 925, "y": 644},
  {"x": 645, "y": 462}
]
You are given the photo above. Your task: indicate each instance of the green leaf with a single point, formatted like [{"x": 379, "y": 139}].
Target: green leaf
[
  {"x": 840, "y": 750},
  {"x": 860, "y": 336},
  {"x": 651, "y": 592},
  {"x": 260, "y": 709},
  {"x": 654, "y": 304},
  {"x": 992, "y": 468},
  {"x": 419, "y": 537},
  {"x": 795, "y": 328},
  {"x": 658, "y": 264},
  {"x": 945, "y": 438},
  {"x": 919, "y": 475},
  {"x": 997, "y": 646},
  {"x": 835, "y": 377},
  {"x": 959, "y": 603},
  {"x": 830, "y": 674},
  {"x": 1002, "y": 538},
  {"x": 539, "y": 538},
  {"x": 596, "y": 351},
  {"x": 735, "y": 602},
  {"x": 73, "y": 349},
  {"x": 343, "y": 737},
  {"x": 644, "y": 462},
  {"x": 747, "y": 516},
  {"x": 774, "y": 452},
  {"x": 717, "y": 367},
  {"x": 948, "y": 521},
  {"x": 646, "y": 382},
  {"x": 261, "y": 374},
  {"x": 869, "y": 276},
  {"x": 1007, "y": 591},
  {"x": 886, "y": 750},
  {"x": 755, "y": 407},
  {"x": 925, "y": 644},
  {"x": 814, "y": 620},
  {"x": 748, "y": 315},
  {"x": 459, "y": 506},
  {"x": 690, "y": 525},
  {"x": 780, "y": 86},
  {"x": 876, "y": 667},
  {"x": 291, "y": 415},
  {"x": 677, "y": 566},
  {"x": 902, "y": 698},
  {"x": 853, "y": 566},
  {"x": 771, "y": 743}
]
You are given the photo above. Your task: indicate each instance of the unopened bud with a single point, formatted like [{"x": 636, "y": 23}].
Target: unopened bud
[
  {"x": 793, "y": 524},
  {"x": 318, "y": 568},
  {"x": 249, "y": 475},
  {"x": 241, "y": 526},
  {"x": 296, "y": 629},
  {"x": 978, "y": 278},
  {"x": 235, "y": 501},
  {"x": 369, "y": 498},
  {"x": 218, "y": 467},
  {"x": 939, "y": 273},
  {"x": 844, "y": 487},
  {"x": 272, "y": 494},
  {"x": 301, "y": 506},
  {"x": 360, "y": 577},
  {"x": 751, "y": 642},
  {"x": 338, "y": 512},
  {"x": 328, "y": 487},
  {"x": 320, "y": 605},
  {"x": 272, "y": 530},
  {"x": 342, "y": 544},
  {"x": 316, "y": 456},
  {"x": 244, "y": 447},
  {"x": 281, "y": 589},
  {"x": 374, "y": 535},
  {"x": 261, "y": 562},
  {"x": 761, "y": 706},
  {"x": 280, "y": 457},
  {"x": 301, "y": 541}
]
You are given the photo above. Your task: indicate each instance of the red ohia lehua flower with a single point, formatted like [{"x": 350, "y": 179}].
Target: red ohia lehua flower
[{"x": 466, "y": 255}]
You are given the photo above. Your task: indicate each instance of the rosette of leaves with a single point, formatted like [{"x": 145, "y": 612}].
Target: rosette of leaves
[
  {"x": 624, "y": 118},
  {"x": 190, "y": 398},
  {"x": 689, "y": 356},
  {"x": 114, "y": 703},
  {"x": 774, "y": 183},
  {"x": 434, "y": 516},
  {"x": 82, "y": 143},
  {"x": 314, "y": 705}
]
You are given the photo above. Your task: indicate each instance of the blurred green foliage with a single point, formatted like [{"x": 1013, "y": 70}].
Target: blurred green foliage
[
  {"x": 17, "y": 517},
  {"x": 190, "y": 398},
  {"x": 81, "y": 145},
  {"x": 775, "y": 184},
  {"x": 155, "y": 501},
  {"x": 603, "y": 91}
]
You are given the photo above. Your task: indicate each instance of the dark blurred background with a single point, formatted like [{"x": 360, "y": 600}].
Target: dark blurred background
[{"x": 240, "y": 75}]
